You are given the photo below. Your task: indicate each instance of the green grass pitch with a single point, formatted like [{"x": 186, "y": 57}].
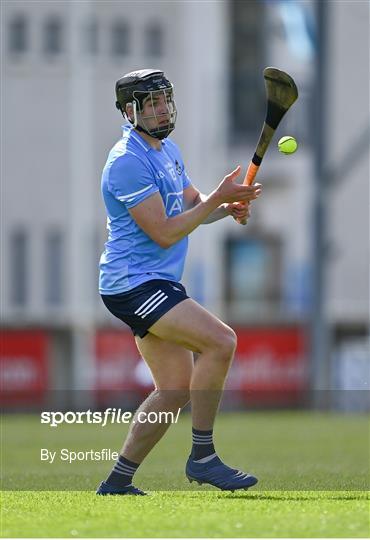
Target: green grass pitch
[{"x": 313, "y": 471}]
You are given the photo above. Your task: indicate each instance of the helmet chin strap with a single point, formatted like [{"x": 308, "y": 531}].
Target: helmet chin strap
[{"x": 159, "y": 136}]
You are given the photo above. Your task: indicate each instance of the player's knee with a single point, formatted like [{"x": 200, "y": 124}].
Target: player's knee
[
  {"x": 230, "y": 341},
  {"x": 175, "y": 395},
  {"x": 226, "y": 341}
]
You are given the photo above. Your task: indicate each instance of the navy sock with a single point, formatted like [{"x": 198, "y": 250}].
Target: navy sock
[
  {"x": 202, "y": 444},
  {"x": 122, "y": 472}
]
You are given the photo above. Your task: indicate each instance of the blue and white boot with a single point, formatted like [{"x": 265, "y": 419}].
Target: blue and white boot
[{"x": 217, "y": 474}]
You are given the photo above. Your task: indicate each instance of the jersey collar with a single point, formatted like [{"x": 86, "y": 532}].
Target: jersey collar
[{"x": 142, "y": 142}]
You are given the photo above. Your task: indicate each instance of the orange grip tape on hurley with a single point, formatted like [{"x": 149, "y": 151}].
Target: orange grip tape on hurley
[
  {"x": 251, "y": 174},
  {"x": 248, "y": 181}
]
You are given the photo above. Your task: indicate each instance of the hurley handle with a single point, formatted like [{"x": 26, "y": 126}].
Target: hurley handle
[{"x": 248, "y": 181}]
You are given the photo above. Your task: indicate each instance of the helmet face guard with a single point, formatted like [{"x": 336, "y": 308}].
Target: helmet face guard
[
  {"x": 156, "y": 125},
  {"x": 150, "y": 95}
]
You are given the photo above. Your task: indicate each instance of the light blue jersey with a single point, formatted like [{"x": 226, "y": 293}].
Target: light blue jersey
[{"x": 132, "y": 173}]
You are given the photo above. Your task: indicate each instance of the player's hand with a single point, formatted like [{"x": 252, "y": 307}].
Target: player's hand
[
  {"x": 240, "y": 212},
  {"x": 229, "y": 191}
]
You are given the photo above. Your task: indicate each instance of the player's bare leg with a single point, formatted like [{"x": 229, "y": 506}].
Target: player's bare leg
[
  {"x": 172, "y": 369},
  {"x": 171, "y": 366},
  {"x": 191, "y": 326}
]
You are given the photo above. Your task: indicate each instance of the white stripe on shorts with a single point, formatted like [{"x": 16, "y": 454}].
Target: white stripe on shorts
[
  {"x": 137, "y": 312},
  {"x": 145, "y": 310},
  {"x": 154, "y": 307}
]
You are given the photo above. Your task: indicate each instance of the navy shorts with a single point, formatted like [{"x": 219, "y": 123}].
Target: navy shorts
[{"x": 144, "y": 305}]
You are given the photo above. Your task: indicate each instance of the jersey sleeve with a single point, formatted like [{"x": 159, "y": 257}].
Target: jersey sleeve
[{"x": 130, "y": 181}]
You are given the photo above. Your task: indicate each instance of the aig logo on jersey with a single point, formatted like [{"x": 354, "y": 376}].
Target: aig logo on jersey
[{"x": 174, "y": 203}]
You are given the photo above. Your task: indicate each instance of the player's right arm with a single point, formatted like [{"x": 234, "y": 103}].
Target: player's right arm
[{"x": 151, "y": 216}]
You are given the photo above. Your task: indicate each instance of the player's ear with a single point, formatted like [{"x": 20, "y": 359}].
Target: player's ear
[{"x": 130, "y": 111}]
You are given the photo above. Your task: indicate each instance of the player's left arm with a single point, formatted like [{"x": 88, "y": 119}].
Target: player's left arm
[{"x": 192, "y": 197}]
